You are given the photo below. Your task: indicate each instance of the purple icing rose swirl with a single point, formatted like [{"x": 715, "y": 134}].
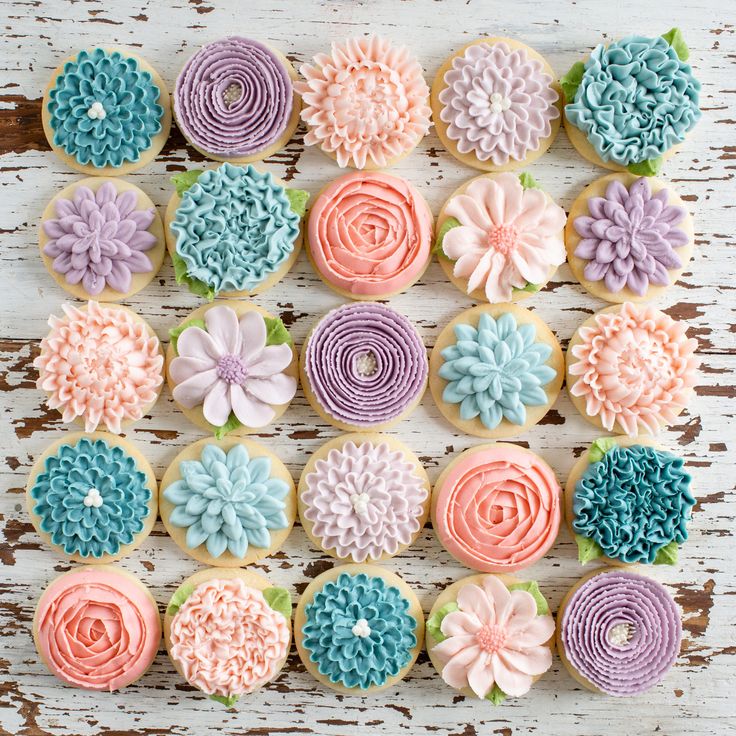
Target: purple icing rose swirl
[
  {"x": 366, "y": 364},
  {"x": 233, "y": 98},
  {"x": 621, "y": 632}
]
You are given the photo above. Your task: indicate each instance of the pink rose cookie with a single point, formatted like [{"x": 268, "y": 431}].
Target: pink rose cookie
[
  {"x": 497, "y": 508},
  {"x": 500, "y": 237},
  {"x": 101, "y": 365},
  {"x": 228, "y": 632},
  {"x": 370, "y": 235},
  {"x": 365, "y": 103},
  {"x": 631, "y": 369},
  {"x": 491, "y": 636},
  {"x": 97, "y": 628}
]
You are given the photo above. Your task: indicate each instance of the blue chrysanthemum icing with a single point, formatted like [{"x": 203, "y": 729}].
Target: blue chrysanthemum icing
[
  {"x": 234, "y": 227},
  {"x": 60, "y": 492},
  {"x": 381, "y": 613},
  {"x": 115, "y": 84},
  {"x": 633, "y": 502}
]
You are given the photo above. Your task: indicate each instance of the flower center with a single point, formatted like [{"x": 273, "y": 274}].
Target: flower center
[
  {"x": 93, "y": 498},
  {"x": 620, "y": 635},
  {"x": 96, "y": 111},
  {"x": 366, "y": 364},
  {"x": 491, "y": 638},
  {"x": 498, "y": 103},
  {"x": 360, "y": 503},
  {"x": 503, "y": 238},
  {"x": 645, "y": 365},
  {"x": 232, "y": 94},
  {"x": 230, "y": 368},
  {"x": 361, "y": 628}
]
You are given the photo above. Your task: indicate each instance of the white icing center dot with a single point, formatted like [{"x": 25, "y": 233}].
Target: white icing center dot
[
  {"x": 93, "y": 498},
  {"x": 499, "y": 103},
  {"x": 360, "y": 503},
  {"x": 96, "y": 111},
  {"x": 620, "y": 635},
  {"x": 232, "y": 94},
  {"x": 366, "y": 364},
  {"x": 361, "y": 628}
]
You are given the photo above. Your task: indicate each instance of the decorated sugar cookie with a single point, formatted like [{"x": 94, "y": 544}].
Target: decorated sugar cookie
[
  {"x": 631, "y": 104},
  {"x": 491, "y": 636},
  {"x": 233, "y": 230},
  {"x": 629, "y": 501},
  {"x": 229, "y": 502},
  {"x": 101, "y": 365},
  {"x": 500, "y": 237},
  {"x": 97, "y": 628},
  {"x": 631, "y": 369},
  {"x": 363, "y": 367},
  {"x": 497, "y": 508},
  {"x": 365, "y": 102},
  {"x": 370, "y": 235},
  {"x": 363, "y": 497},
  {"x": 496, "y": 104},
  {"x": 234, "y": 100},
  {"x": 231, "y": 367},
  {"x": 618, "y": 633},
  {"x": 228, "y": 632},
  {"x": 102, "y": 238},
  {"x": 358, "y": 629},
  {"x": 106, "y": 112},
  {"x": 496, "y": 370}
]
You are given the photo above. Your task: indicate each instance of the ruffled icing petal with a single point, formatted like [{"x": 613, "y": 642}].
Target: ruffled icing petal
[
  {"x": 251, "y": 412},
  {"x": 217, "y": 404},
  {"x": 511, "y": 681},
  {"x": 480, "y": 676},
  {"x": 252, "y": 337},
  {"x": 195, "y": 342},
  {"x": 222, "y": 326},
  {"x": 534, "y": 661}
]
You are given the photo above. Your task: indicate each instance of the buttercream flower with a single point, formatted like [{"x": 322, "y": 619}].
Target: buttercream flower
[
  {"x": 99, "y": 238},
  {"x": 228, "y": 367},
  {"x": 508, "y": 236},
  {"x": 365, "y": 102},
  {"x": 630, "y": 236},
  {"x": 494, "y": 637}
]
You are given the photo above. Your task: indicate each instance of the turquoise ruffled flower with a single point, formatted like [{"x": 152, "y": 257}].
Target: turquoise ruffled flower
[
  {"x": 104, "y": 109},
  {"x": 228, "y": 501},
  {"x": 496, "y": 370}
]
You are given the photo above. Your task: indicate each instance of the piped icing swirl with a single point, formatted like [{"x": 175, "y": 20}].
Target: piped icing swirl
[
  {"x": 498, "y": 509},
  {"x": 364, "y": 500},
  {"x": 621, "y": 632},
  {"x": 635, "y": 368},
  {"x": 97, "y": 629},
  {"x": 226, "y": 638},
  {"x": 370, "y": 234},
  {"x": 233, "y": 98},
  {"x": 498, "y": 103},
  {"x": 366, "y": 364},
  {"x": 101, "y": 364},
  {"x": 365, "y": 102}
]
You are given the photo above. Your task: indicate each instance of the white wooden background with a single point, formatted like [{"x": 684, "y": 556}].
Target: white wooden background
[{"x": 695, "y": 698}]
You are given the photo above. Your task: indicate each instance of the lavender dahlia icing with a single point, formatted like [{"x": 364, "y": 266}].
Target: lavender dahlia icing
[
  {"x": 366, "y": 364},
  {"x": 621, "y": 632},
  {"x": 233, "y": 98}
]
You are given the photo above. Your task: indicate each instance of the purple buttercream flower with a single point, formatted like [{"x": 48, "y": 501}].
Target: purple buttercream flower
[
  {"x": 630, "y": 237},
  {"x": 99, "y": 238}
]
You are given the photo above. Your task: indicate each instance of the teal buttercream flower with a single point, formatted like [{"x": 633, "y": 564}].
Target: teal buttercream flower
[
  {"x": 636, "y": 100},
  {"x": 104, "y": 109},
  {"x": 633, "y": 502},
  {"x": 234, "y": 227},
  {"x": 91, "y": 498},
  {"x": 358, "y": 631},
  {"x": 228, "y": 501},
  {"x": 496, "y": 370}
]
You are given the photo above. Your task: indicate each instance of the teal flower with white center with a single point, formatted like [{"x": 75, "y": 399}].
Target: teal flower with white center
[
  {"x": 228, "y": 501},
  {"x": 495, "y": 371}
]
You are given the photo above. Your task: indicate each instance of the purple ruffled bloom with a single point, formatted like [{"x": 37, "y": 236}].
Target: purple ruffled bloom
[
  {"x": 630, "y": 237},
  {"x": 99, "y": 238}
]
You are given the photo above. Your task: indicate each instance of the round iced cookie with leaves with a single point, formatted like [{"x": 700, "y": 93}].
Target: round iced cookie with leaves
[
  {"x": 106, "y": 112},
  {"x": 233, "y": 231},
  {"x": 491, "y": 636},
  {"x": 358, "y": 629},
  {"x": 228, "y": 502},
  {"x": 629, "y": 501},
  {"x": 231, "y": 367},
  {"x": 228, "y": 632},
  {"x": 496, "y": 370},
  {"x": 500, "y": 238}
]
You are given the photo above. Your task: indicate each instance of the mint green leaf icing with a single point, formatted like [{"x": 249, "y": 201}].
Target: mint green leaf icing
[
  {"x": 675, "y": 39},
  {"x": 176, "y": 331},
  {"x": 227, "y": 700},
  {"x": 496, "y": 696},
  {"x": 649, "y": 167},
  {"x": 280, "y": 600},
  {"x": 177, "y": 600},
  {"x": 588, "y": 549},
  {"x": 667, "y": 555},
  {"x": 600, "y": 447},
  {"x": 117, "y": 494},
  {"x": 276, "y": 332},
  {"x": 434, "y": 622},
  {"x": 224, "y": 429},
  {"x": 531, "y": 288},
  {"x": 198, "y": 288},
  {"x": 447, "y": 225},
  {"x": 528, "y": 181},
  {"x": 571, "y": 81},
  {"x": 358, "y": 631},
  {"x": 531, "y": 587},
  {"x": 298, "y": 199},
  {"x": 227, "y": 501},
  {"x": 185, "y": 179},
  {"x": 103, "y": 109},
  {"x": 497, "y": 370}
]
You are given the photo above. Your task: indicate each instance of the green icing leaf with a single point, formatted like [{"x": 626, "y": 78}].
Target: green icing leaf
[
  {"x": 650, "y": 167},
  {"x": 531, "y": 288},
  {"x": 280, "y": 600},
  {"x": 232, "y": 423},
  {"x": 496, "y": 696},
  {"x": 177, "y": 600},
  {"x": 571, "y": 81},
  {"x": 276, "y": 333},
  {"x": 447, "y": 225},
  {"x": 194, "y": 285},
  {"x": 298, "y": 199},
  {"x": 599, "y": 448},
  {"x": 176, "y": 331},
  {"x": 434, "y": 622},
  {"x": 667, "y": 555},
  {"x": 528, "y": 181},
  {"x": 226, "y": 700},
  {"x": 675, "y": 39},
  {"x": 185, "y": 179},
  {"x": 531, "y": 587},
  {"x": 588, "y": 549}
]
